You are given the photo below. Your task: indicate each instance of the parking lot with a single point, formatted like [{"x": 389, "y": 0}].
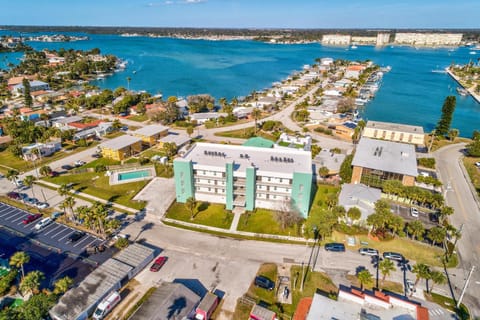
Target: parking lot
[
  {"x": 404, "y": 212},
  {"x": 54, "y": 235}
]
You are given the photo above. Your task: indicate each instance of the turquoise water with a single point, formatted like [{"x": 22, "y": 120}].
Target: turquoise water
[
  {"x": 133, "y": 175},
  {"x": 411, "y": 93}
]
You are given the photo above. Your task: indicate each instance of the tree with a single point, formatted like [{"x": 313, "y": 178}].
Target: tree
[
  {"x": 36, "y": 307},
  {"x": 18, "y": 259},
  {"x": 416, "y": 229},
  {"x": 45, "y": 170},
  {"x": 452, "y": 134},
  {"x": 64, "y": 190},
  {"x": 386, "y": 267},
  {"x": 170, "y": 149},
  {"x": 445, "y": 212},
  {"x": 69, "y": 203},
  {"x": 287, "y": 216},
  {"x": 346, "y": 169},
  {"x": 128, "y": 83},
  {"x": 256, "y": 113},
  {"x": 116, "y": 124},
  {"x": 26, "y": 92},
  {"x": 190, "y": 204},
  {"x": 62, "y": 285},
  {"x": 421, "y": 271},
  {"x": 12, "y": 175},
  {"x": 473, "y": 148},
  {"x": 437, "y": 278},
  {"x": 354, "y": 213},
  {"x": 189, "y": 131},
  {"x": 443, "y": 125},
  {"x": 31, "y": 282},
  {"x": 365, "y": 278},
  {"x": 323, "y": 172},
  {"x": 28, "y": 181},
  {"x": 436, "y": 235}
]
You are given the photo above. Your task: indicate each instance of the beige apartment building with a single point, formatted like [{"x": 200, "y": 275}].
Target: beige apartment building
[{"x": 394, "y": 132}]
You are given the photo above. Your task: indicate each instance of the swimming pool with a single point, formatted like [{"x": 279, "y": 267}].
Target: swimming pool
[{"x": 134, "y": 175}]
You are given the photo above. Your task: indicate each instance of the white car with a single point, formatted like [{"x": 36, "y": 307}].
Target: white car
[
  {"x": 79, "y": 163},
  {"x": 368, "y": 251},
  {"x": 414, "y": 212},
  {"x": 477, "y": 164},
  {"x": 43, "y": 223},
  {"x": 42, "y": 205}
]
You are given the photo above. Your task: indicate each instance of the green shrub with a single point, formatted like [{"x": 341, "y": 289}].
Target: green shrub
[
  {"x": 121, "y": 243},
  {"x": 7, "y": 280},
  {"x": 426, "y": 162}
]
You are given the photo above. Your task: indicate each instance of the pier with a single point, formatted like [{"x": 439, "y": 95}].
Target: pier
[{"x": 475, "y": 96}]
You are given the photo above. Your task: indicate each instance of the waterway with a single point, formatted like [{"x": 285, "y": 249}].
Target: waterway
[{"x": 411, "y": 93}]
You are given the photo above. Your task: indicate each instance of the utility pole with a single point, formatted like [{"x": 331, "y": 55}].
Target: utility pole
[
  {"x": 303, "y": 277},
  {"x": 465, "y": 286}
]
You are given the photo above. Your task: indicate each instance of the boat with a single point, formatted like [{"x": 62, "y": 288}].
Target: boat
[
  {"x": 462, "y": 91},
  {"x": 353, "y": 47},
  {"x": 386, "y": 69},
  {"x": 473, "y": 52}
]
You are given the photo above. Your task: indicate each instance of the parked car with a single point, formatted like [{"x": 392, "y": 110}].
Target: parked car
[
  {"x": 53, "y": 174},
  {"x": 31, "y": 218},
  {"x": 264, "y": 282},
  {"x": 56, "y": 215},
  {"x": 67, "y": 167},
  {"x": 42, "y": 205},
  {"x": 158, "y": 263},
  {"x": 368, "y": 252},
  {"x": 414, "y": 212},
  {"x": 43, "y": 223},
  {"x": 477, "y": 164},
  {"x": 31, "y": 201},
  {"x": 79, "y": 163},
  {"x": 74, "y": 237},
  {"x": 393, "y": 256},
  {"x": 335, "y": 246},
  {"x": 13, "y": 195}
]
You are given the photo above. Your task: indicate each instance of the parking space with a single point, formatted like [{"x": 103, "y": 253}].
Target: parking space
[
  {"x": 54, "y": 235},
  {"x": 405, "y": 212}
]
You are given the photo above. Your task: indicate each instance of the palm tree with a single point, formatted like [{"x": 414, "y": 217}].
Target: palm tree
[
  {"x": 69, "y": 203},
  {"x": 18, "y": 259},
  {"x": 28, "y": 181},
  {"x": 191, "y": 204},
  {"x": 436, "y": 235},
  {"x": 45, "y": 170},
  {"x": 386, "y": 267},
  {"x": 128, "y": 83},
  {"x": 31, "y": 282},
  {"x": 64, "y": 190},
  {"x": 256, "y": 113},
  {"x": 421, "y": 271},
  {"x": 12, "y": 175},
  {"x": 437, "y": 277},
  {"x": 416, "y": 229},
  {"x": 62, "y": 285},
  {"x": 365, "y": 278}
]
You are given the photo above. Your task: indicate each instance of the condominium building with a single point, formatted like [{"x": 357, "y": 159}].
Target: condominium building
[
  {"x": 428, "y": 39},
  {"x": 245, "y": 177},
  {"x": 337, "y": 39},
  {"x": 394, "y": 132}
]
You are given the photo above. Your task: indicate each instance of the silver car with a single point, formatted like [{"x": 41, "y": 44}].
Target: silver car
[{"x": 368, "y": 252}]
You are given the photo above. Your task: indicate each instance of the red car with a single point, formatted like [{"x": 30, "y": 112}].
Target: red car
[
  {"x": 31, "y": 218},
  {"x": 158, "y": 263}
]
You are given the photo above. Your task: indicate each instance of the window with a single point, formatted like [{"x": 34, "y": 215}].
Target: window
[
  {"x": 375, "y": 133},
  {"x": 410, "y": 138},
  {"x": 209, "y": 189},
  {"x": 401, "y": 136},
  {"x": 392, "y": 135},
  {"x": 269, "y": 179},
  {"x": 384, "y": 134},
  {"x": 300, "y": 188}
]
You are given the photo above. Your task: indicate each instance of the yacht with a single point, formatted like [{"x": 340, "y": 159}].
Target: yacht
[{"x": 462, "y": 91}]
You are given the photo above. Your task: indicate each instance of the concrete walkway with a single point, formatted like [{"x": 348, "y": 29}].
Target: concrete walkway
[{"x": 236, "y": 219}]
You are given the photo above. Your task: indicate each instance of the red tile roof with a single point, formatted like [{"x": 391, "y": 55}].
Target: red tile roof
[
  {"x": 303, "y": 308},
  {"x": 80, "y": 125}
]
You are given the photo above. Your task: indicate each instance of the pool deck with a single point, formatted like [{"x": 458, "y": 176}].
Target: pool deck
[{"x": 115, "y": 174}]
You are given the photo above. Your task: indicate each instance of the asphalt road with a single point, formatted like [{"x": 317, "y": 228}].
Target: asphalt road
[{"x": 459, "y": 195}]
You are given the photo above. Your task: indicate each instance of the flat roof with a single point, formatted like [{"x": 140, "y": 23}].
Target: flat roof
[
  {"x": 91, "y": 290},
  {"x": 386, "y": 156},
  {"x": 258, "y": 142},
  {"x": 394, "y": 127},
  {"x": 360, "y": 196},
  {"x": 150, "y": 130},
  {"x": 268, "y": 160},
  {"x": 133, "y": 254},
  {"x": 168, "y": 301},
  {"x": 120, "y": 142},
  {"x": 178, "y": 138}
]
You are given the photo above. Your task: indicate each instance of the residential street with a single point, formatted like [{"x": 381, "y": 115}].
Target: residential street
[{"x": 459, "y": 195}]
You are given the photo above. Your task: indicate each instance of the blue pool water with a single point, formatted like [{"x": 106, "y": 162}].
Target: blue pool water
[
  {"x": 411, "y": 93},
  {"x": 133, "y": 175}
]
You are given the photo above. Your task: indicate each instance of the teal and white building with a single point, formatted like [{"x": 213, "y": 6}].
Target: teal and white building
[{"x": 245, "y": 177}]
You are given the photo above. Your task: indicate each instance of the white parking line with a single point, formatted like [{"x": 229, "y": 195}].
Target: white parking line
[
  {"x": 85, "y": 238},
  {"x": 48, "y": 226},
  {"x": 90, "y": 243},
  {"x": 4, "y": 209},
  {"x": 20, "y": 218},
  {"x": 60, "y": 232},
  {"x": 66, "y": 235},
  {"x": 8, "y": 217},
  {"x": 50, "y": 231}
]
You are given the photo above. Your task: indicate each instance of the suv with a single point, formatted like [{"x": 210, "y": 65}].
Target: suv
[
  {"x": 79, "y": 163},
  {"x": 368, "y": 251},
  {"x": 414, "y": 212},
  {"x": 264, "y": 282},
  {"x": 393, "y": 256},
  {"x": 335, "y": 246},
  {"x": 43, "y": 223},
  {"x": 74, "y": 237}
]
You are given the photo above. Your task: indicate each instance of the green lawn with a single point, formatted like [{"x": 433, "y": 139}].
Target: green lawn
[
  {"x": 385, "y": 285},
  {"x": 139, "y": 118},
  {"x": 473, "y": 171},
  {"x": 114, "y": 134},
  {"x": 448, "y": 304},
  {"x": 208, "y": 214},
  {"x": 246, "y": 134},
  {"x": 97, "y": 184},
  {"x": 268, "y": 270},
  {"x": 103, "y": 161},
  {"x": 263, "y": 221}
]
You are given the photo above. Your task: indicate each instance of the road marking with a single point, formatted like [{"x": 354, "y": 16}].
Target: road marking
[
  {"x": 66, "y": 235},
  {"x": 4, "y": 209},
  {"x": 94, "y": 239},
  {"x": 49, "y": 225},
  {"x": 50, "y": 231},
  {"x": 81, "y": 241},
  {"x": 13, "y": 215},
  {"x": 20, "y": 218},
  {"x": 60, "y": 232}
]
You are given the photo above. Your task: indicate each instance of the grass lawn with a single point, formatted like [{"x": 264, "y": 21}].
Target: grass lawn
[
  {"x": 473, "y": 171},
  {"x": 103, "y": 161},
  {"x": 114, "y": 134},
  {"x": 246, "y": 134},
  {"x": 268, "y": 270},
  {"x": 412, "y": 250},
  {"x": 438, "y": 143},
  {"x": 97, "y": 184},
  {"x": 208, "y": 214},
  {"x": 447, "y": 303},
  {"x": 386, "y": 285},
  {"x": 138, "y": 118},
  {"x": 263, "y": 221}
]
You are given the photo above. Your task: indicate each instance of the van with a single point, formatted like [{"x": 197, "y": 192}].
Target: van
[
  {"x": 43, "y": 223},
  {"x": 335, "y": 246},
  {"x": 107, "y": 305},
  {"x": 264, "y": 282}
]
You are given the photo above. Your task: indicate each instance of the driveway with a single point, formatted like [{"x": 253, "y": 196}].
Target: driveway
[{"x": 459, "y": 194}]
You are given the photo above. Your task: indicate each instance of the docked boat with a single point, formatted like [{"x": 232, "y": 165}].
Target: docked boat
[
  {"x": 473, "y": 52},
  {"x": 353, "y": 47},
  {"x": 462, "y": 91}
]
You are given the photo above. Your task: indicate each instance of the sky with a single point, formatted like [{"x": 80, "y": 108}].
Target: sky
[{"x": 245, "y": 13}]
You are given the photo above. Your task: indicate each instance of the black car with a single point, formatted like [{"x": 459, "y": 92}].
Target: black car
[
  {"x": 264, "y": 282},
  {"x": 335, "y": 246},
  {"x": 67, "y": 167},
  {"x": 74, "y": 237}
]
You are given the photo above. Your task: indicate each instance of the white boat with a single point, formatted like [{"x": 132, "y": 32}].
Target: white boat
[
  {"x": 353, "y": 47},
  {"x": 439, "y": 71},
  {"x": 462, "y": 91},
  {"x": 472, "y": 52}
]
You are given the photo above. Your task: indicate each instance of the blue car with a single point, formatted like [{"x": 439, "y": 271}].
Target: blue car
[{"x": 335, "y": 246}]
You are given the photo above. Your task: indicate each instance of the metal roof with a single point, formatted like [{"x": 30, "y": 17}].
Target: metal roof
[
  {"x": 134, "y": 253},
  {"x": 386, "y": 156},
  {"x": 120, "y": 142},
  {"x": 150, "y": 130}
]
